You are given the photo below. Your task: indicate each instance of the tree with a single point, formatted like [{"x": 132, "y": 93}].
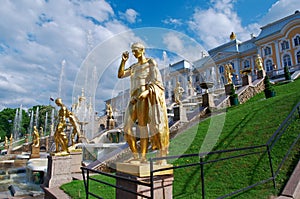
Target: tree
[
  {"x": 287, "y": 73},
  {"x": 269, "y": 90},
  {"x": 7, "y": 116}
]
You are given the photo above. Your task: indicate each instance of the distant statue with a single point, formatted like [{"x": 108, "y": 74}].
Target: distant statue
[
  {"x": 76, "y": 128},
  {"x": 178, "y": 93},
  {"x": 41, "y": 131},
  {"x": 6, "y": 143},
  {"x": 228, "y": 73},
  {"x": 60, "y": 137},
  {"x": 147, "y": 105},
  {"x": 11, "y": 140},
  {"x": 110, "y": 123},
  {"x": 259, "y": 63},
  {"x": 191, "y": 89},
  {"x": 109, "y": 111},
  {"x": 35, "y": 137}
]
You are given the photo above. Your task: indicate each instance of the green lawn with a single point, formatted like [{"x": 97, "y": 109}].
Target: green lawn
[{"x": 252, "y": 123}]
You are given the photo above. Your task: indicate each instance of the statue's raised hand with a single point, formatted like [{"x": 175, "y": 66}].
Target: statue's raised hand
[{"x": 125, "y": 56}]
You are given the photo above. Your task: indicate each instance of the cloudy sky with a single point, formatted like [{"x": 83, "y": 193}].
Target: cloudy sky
[{"x": 46, "y": 45}]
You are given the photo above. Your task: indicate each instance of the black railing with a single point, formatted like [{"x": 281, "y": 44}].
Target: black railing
[{"x": 205, "y": 159}]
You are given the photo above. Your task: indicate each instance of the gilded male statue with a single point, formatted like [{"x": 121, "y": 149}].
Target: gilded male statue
[
  {"x": 178, "y": 93},
  {"x": 259, "y": 63},
  {"x": 228, "y": 73},
  {"x": 60, "y": 137},
  {"x": 147, "y": 105},
  {"x": 35, "y": 137}
]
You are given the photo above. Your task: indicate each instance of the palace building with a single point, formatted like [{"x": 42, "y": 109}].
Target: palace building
[{"x": 278, "y": 44}]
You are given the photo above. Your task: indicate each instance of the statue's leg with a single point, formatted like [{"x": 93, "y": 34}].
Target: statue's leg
[
  {"x": 130, "y": 118},
  {"x": 142, "y": 116}
]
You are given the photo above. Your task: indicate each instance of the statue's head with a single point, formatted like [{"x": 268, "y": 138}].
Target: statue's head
[
  {"x": 137, "y": 46},
  {"x": 58, "y": 101},
  {"x": 138, "y": 50}
]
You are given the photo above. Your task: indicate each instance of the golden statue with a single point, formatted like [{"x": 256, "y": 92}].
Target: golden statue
[
  {"x": 228, "y": 73},
  {"x": 147, "y": 105},
  {"x": 11, "y": 139},
  {"x": 178, "y": 93},
  {"x": 76, "y": 128},
  {"x": 6, "y": 143},
  {"x": 232, "y": 36},
  {"x": 41, "y": 131},
  {"x": 35, "y": 137},
  {"x": 259, "y": 63},
  {"x": 60, "y": 137},
  {"x": 109, "y": 111}
]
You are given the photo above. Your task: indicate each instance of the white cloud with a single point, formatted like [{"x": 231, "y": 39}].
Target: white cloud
[
  {"x": 130, "y": 15},
  {"x": 279, "y": 10},
  {"x": 173, "y": 21},
  {"x": 183, "y": 46},
  {"x": 35, "y": 38},
  {"x": 214, "y": 25}
]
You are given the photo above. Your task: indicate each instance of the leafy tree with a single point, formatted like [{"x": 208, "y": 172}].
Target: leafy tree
[
  {"x": 43, "y": 109},
  {"x": 7, "y": 116},
  {"x": 287, "y": 73}
]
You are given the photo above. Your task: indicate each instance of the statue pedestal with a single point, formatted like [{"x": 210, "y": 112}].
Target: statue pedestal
[
  {"x": 228, "y": 89},
  {"x": 246, "y": 80},
  {"x": 179, "y": 113},
  {"x": 76, "y": 159},
  {"x": 208, "y": 100},
  {"x": 261, "y": 74},
  {"x": 35, "y": 152},
  {"x": 162, "y": 183},
  {"x": 58, "y": 171}
]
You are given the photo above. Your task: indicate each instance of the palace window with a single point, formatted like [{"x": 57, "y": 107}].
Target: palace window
[
  {"x": 267, "y": 51},
  {"x": 297, "y": 40},
  {"x": 246, "y": 64},
  {"x": 232, "y": 64},
  {"x": 287, "y": 60},
  {"x": 298, "y": 57},
  {"x": 269, "y": 65},
  {"x": 285, "y": 45},
  {"x": 221, "y": 69}
]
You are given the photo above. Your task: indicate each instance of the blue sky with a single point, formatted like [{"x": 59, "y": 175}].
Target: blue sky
[{"x": 45, "y": 43}]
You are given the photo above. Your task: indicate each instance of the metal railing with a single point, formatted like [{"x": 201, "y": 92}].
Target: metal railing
[{"x": 205, "y": 159}]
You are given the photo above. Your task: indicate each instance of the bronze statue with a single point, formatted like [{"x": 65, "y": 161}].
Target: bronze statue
[
  {"x": 35, "y": 137},
  {"x": 60, "y": 137},
  {"x": 178, "y": 93},
  {"x": 147, "y": 105}
]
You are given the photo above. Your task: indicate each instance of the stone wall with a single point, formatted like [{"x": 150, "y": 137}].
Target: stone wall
[{"x": 247, "y": 92}]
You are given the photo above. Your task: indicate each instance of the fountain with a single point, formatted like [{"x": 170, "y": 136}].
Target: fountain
[
  {"x": 46, "y": 124},
  {"x": 17, "y": 123},
  {"x": 36, "y": 123}
]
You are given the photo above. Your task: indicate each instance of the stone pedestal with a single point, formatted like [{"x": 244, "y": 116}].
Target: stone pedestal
[
  {"x": 142, "y": 169},
  {"x": 35, "y": 152},
  {"x": 179, "y": 113},
  {"x": 228, "y": 89},
  {"x": 58, "y": 171},
  {"x": 163, "y": 181},
  {"x": 76, "y": 159},
  {"x": 261, "y": 74},
  {"x": 246, "y": 80},
  {"x": 208, "y": 100}
]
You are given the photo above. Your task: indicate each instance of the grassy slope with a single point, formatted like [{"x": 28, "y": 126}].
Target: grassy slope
[{"x": 248, "y": 124}]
